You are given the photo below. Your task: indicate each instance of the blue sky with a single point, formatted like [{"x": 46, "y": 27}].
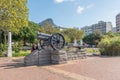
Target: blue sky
[{"x": 74, "y": 13}]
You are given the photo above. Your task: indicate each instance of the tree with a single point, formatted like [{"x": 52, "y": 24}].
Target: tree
[
  {"x": 13, "y": 16},
  {"x": 1, "y": 36},
  {"x": 110, "y": 34},
  {"x": 94, "y": 38},
  {"x": 48, "y": 28},
  {"x": 27, "y": 34},
  {"x": 73, "y": 33},
  {"x": 67, "y": 39}
]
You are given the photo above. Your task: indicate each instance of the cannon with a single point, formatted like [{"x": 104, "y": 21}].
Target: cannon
[{"x": 56, "y": 41}]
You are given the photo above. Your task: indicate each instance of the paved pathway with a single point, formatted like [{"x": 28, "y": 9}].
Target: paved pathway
[
  {"x": 14, "y": 69},
  {"x": 64, "y": 73},
  {"x": 99, "y": 68},
  {"x": 93, "y": 68}
]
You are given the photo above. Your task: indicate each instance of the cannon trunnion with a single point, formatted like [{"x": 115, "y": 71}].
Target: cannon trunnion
[{"x": 56, "y": 41}]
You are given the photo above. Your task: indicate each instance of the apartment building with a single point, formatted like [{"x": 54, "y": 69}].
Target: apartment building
[
  {"x": 102, "y": 26},
  {"x": 118, "y": 22},
  {"x": 114, "y": 29}
]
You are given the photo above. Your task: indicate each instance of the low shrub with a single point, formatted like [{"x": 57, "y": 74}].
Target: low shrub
[
  {"x": 3, "y": 50},
  {"x": 17, "y": 47},
  {"x": 110, "y": 46}
]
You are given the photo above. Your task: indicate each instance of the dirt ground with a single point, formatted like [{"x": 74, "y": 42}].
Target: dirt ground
[{"x": 92, "y": 68}]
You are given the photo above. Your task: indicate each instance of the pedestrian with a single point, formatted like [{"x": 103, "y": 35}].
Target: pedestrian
[{"x": 33, "y": 47}]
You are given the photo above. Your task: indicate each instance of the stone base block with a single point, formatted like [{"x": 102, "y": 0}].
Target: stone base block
[
  {"x": 50, "y": 56},
  {"x": 59, "y": 57}
]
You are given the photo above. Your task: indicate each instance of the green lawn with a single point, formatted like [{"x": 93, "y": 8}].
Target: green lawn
[
  {"x": 92, "y": 50},
  {"x": 21, "y": 53}
]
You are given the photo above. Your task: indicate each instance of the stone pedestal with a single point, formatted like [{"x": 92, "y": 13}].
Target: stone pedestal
[
  {"x": 31, "y": 59},
  {"x": 41, "y": 57},
  {"x": 50, "y": 56},
  {"x": 76, "y": 54},
  {"x": 58, "y": 57},
  {"x": 45, "y": 57}
]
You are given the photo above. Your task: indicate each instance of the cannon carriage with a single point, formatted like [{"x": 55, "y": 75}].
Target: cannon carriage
[{"x": 56, "y": 41}]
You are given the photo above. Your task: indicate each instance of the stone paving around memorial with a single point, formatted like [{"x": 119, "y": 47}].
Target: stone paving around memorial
[{"x": 92, "y": 68}]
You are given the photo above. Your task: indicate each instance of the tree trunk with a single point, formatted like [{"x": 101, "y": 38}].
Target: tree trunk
[
  {"x": 4, "y": 42},
  {"x": 24, "y": 42}
]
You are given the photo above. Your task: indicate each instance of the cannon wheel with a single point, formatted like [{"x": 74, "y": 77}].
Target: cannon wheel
[{"x": 57, "y": 41}]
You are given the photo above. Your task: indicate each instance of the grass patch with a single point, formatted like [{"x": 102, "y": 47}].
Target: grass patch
[
  {"x": 21, "y": 53},
  {"x": 92, "y": 50},
  {"x": 2, "y": 55}
]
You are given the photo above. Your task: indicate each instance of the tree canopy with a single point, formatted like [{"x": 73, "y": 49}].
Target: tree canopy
[
  {"x": 13, "y": 15},
  {"x": 27, "y": 34},
  {"x": 48, "y": 28},
  {"x": 94, "y": 38},
  {"x": 73, "y": 33}
]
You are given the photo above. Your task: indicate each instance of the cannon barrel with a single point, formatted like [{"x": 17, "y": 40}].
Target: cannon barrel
[
  {"x": 43, "y": 36},
  {"x": 56, "y": 41}
]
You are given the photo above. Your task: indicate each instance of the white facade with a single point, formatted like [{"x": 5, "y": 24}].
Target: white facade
[
  {"x": 102, "y": 26},
  {"x": 87, "y": 30}
]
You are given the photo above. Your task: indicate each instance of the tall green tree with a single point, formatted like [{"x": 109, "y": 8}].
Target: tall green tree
[
  {"x": 73, "y": 33},
  {"x": 49, "y": 29},
  {"x": 94, "y": 38},
  {"x": 13, "y": 15},
  {"x": 27, "y": 34}
]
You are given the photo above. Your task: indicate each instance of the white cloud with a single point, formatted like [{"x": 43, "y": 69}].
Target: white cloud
[
  {"x": 59, "y": 1},
  {"x": 71, "y": 0},
  {"x": 80, "y": 9},
  {"x": 115, "y": 12},
  {"x": 90, "y": 6}
]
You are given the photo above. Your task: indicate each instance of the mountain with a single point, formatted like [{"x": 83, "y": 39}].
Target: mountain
[{"x": 49, "y": 21}]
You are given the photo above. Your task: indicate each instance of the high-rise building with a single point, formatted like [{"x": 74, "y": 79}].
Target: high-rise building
[
  {"x": 87, "y": 29},
  {"x": 102, "y": 26},
  {"x": 118, "y": 22},
  {"x": 114, "y": 29}
]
